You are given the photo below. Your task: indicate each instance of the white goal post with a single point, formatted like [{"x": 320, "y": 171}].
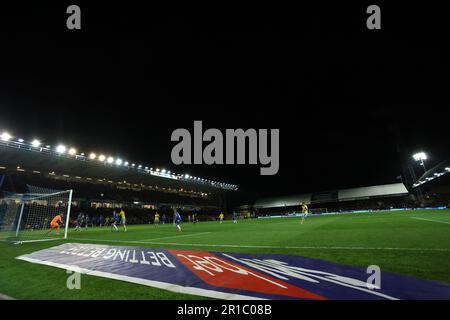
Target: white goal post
[{"x": 27, "y": 217}]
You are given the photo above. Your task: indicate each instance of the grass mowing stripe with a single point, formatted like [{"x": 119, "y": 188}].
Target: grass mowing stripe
[
  {"x": 180, "y": 236},
  {"x": 430, "y": 220}
]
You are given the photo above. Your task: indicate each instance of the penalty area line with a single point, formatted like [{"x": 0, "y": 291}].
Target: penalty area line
[
  {"x": 430, "y": 220},
  {"x": 144, "y": 241},
  {"x": 265, "y": 247}
]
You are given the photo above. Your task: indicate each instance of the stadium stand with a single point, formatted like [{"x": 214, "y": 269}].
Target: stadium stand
[
  {"x": 99, "y": 188},
  {"x": 378, "y": 197}
]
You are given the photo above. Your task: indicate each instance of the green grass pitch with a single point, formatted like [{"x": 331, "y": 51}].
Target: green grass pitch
[{"x": 413, "y": 243}]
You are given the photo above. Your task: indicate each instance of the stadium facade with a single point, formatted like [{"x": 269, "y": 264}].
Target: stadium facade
[
  {"x": 373, "y": 197},
  {"x": 105, "y": 185}
]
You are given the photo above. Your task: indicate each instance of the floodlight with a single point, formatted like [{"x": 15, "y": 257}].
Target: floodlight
[
  {"x": 119, "y": 162},
  {"x": 92, "y": 156},
  {"x": 101, "y": 157},
  {"x": 110, "y": 160},
  {"x": 61, "y": 148},
  {"x": 420, "y": 156},
  {"x": 72, "y": 151},
  {"x": 20, "y": 140},
  {"x": 35, "y": 143},
  {"x": 126, "y": 163},
  {"x": 5, "y": 136}
]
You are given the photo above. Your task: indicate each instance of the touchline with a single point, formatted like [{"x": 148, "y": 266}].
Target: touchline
[{"x": 235, "y": 150}]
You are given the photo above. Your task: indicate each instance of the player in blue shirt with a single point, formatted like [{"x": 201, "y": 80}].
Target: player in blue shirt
[
  {"x": 86, "y": 221},
  {"x": 115, "y": 221},
  {"x": 79, "y": 221},
  {"x": 234, "y": 216},
  {"x": 177, "y": 218}
]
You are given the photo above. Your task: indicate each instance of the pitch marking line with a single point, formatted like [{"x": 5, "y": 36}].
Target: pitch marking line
[
  {"x": 5, "y": 297},
  {"x": 265, "y": 247},
  {"x": 144, "y": 240},
  {"x": 438, "y": 221}
]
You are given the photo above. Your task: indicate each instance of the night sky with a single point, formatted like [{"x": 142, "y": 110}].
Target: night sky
[{"x": 349, "y": 102}]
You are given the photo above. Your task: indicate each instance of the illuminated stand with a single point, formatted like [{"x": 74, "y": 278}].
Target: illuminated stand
[{"x": 7, "y": 140}]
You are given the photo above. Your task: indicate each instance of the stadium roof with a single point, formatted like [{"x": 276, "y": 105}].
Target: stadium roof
[
  {"x": 395, "y": 189},
  {"x": 24, "y": 157},
  {"x": 438, "y": 171}
]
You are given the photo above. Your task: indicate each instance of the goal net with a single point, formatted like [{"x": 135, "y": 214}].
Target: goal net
[{"x": 27, "y": 217}]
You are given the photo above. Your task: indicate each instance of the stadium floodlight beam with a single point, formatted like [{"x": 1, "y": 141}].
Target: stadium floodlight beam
[
  {"x": 421, "y": 156},
  {"x": 5, "y": 136},
  {"x": 36, "y": 143},
  {"x": 61, "y": 148}
]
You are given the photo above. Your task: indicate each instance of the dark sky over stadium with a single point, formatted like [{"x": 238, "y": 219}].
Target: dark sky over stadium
[{"x": 344, "y": 98}]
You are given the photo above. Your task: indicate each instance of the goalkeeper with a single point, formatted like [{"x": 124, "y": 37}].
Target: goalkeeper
[{"x": 54, "y": 224}]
